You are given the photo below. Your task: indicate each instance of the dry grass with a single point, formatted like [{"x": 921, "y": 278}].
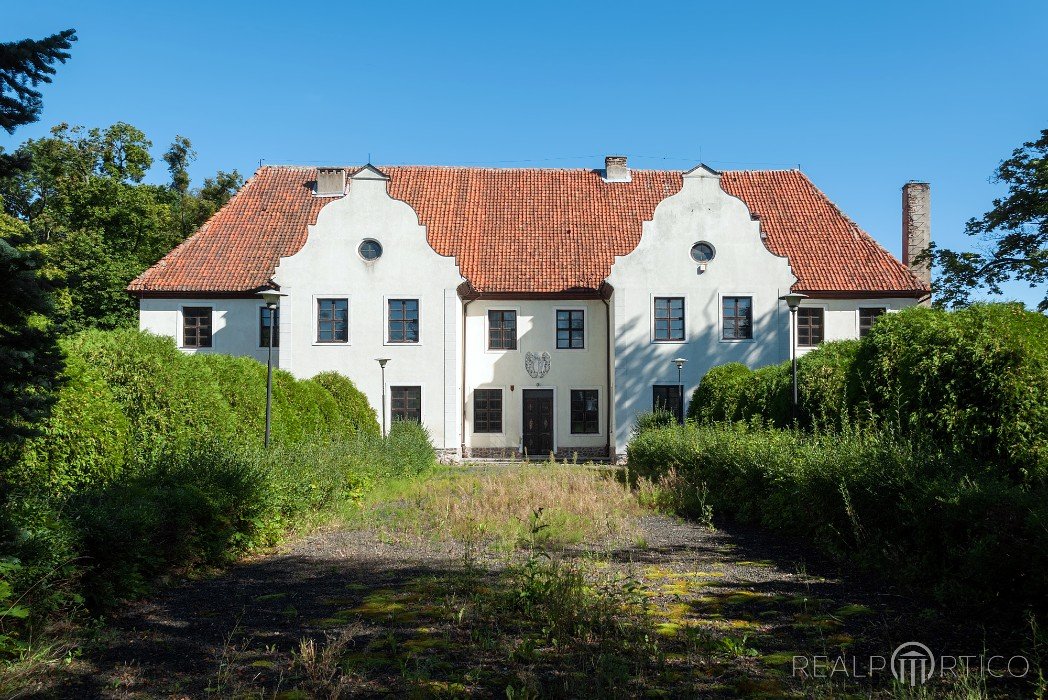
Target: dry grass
[{"x": 579, "y": 505}]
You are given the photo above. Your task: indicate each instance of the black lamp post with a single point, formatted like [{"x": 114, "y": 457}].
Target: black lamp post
[
  {"x": 382, "y": 364},
  {"x": 272, "y": 299},
  {"x": 793, "y": 301},
  {"x": 680, "y": 362}
]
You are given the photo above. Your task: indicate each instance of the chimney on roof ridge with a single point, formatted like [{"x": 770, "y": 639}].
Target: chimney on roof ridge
[
  {"x": 331, "y": 182},
  {"x": 615, "y": 169},
  {"x": 916, "y": 227}
]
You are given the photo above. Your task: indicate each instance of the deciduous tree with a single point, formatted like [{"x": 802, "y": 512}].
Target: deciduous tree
[{"x": 1013, "y": 234}]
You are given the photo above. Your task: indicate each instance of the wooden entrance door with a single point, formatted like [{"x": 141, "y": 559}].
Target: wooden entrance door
[{"x": 538, "y": 422}]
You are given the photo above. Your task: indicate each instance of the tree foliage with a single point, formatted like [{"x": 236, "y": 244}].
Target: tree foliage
[
  {"x": 96, "y": 223},
  {"x": 24, "y": 65},
  {"x": 30, "y": 360},
  {"x": 1014, "y": 234}
]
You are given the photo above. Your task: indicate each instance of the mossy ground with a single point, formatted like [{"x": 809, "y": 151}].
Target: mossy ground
[{"x": 371, "y": 610}]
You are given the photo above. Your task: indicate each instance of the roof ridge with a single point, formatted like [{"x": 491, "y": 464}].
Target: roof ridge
[{"x": 496, "y": 168}]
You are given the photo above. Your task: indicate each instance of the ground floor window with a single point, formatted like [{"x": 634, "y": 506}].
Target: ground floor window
[
  {"x": 668, "y": 397},
  {"x": 196, "y": 326},
  {"x": 866, "y": 318},
  {"x": 487, "y": 410},
  {"x": 405, "y": 403},
  {"x": 585, "y": 411},
  {"x": 268, "y": 322},
  {"x": 810, "y": 326}
]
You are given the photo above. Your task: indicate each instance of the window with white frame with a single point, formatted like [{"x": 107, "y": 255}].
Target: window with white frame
[
  {"x": 402, "y": 321},
  {"x": 669, "y": 318},
  {"x": 737, "y": 318},
  {"x": 502, "y": 329},
  {"x": 571, "y": 329},
  {"x": 811, "y": 326},
  {"x": 487, "y": 410},
  {"x": 196, "y": 326},
  {"x": 333, "y": 320}
]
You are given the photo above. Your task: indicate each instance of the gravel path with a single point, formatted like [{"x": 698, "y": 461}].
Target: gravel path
[{"x": 239, "y": 630}]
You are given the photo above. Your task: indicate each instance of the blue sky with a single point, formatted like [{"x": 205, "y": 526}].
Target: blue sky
[{"x": 862, "y": 96}]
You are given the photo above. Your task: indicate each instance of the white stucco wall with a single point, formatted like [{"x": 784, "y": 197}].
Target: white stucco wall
[
  {"x": 504, "y": 369},
  {"x": 329, "y": 266},
  {"x": 234, "y": 324},
  {"x": 842, "y": 315},
  {"x": 661, "y": 265}
]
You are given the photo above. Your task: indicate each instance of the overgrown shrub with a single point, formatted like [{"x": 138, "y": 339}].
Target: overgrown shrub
[
  {"x": 351, "y": 401},
  {"x": 152, "y": 461},
  {"x": 169, "y": 399},
  {"x": 973, "y": 382},
  {"x": 84, "y": 442},
  {"x": 873, "y": 498},
  {"x": 658, "y": 418}
]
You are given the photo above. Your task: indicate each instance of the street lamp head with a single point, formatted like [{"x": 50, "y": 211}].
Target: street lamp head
[
  {"x": 272, "y": 297},
  {"x": 382, "y": 361},
  {"x": 793, "y": 300},
  {"x": 679, "y": 361}
]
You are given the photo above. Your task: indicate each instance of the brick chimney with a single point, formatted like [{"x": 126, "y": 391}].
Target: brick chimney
[
  {"x": 615, "y": 169},
  {"x": 916, "y": 227},
  {"x": 331, "y": 182}
]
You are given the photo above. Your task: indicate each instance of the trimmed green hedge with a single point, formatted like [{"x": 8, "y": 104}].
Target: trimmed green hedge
[
  {"x": 973, "y": 382},
  {"x": 131, "y": 392},
  {"x": 869, "y": 497}
]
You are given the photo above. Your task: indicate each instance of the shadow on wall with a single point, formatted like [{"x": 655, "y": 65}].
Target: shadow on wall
[{"x": 640, "y": 364}]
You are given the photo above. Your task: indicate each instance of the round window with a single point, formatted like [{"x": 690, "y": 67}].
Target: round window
[
  {"x": 702, "y": 252},
  {"x": 370, "y": 249}
]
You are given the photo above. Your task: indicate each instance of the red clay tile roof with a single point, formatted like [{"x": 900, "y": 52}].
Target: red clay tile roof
[{"x": 527, "y": 230}]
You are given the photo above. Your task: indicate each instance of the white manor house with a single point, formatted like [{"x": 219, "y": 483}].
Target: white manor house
[{"x": 528, "y": 311}]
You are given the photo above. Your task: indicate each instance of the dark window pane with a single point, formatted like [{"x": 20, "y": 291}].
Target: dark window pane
[
  {"x": 502, "y": 330},
  {"x": 196, "y": 327},
  {"x": 668, "y": 397},
  {"x": 866, "y": 319},
  {"x": 571, "y": 330},
  {"x": 737, "y": 318},
  {"x": 405, "y": 403},
  {"x": 669, "y": 318},
  {"x": 487, "y": 410},
  {"x": 810, "y": 331},
  {"x": 332, "y": 320},
  {"x": 403, "y": 321},
  {"x": 269, "y": 320},
  {"x": 585, "y": 411}
]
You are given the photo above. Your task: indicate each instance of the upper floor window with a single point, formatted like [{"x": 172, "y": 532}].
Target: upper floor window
[
  {"x": 669, "y": 318},
  {"x": 585, "y": 411},
  {"x": 405, "y": 403},
  {"x": 403, "y": 321},
  {"x": 268, "y": 322},
  {"x": 369, "y": 249},
  {"x": 571, "y": 329},
  {"x": 702, "y": 252},
  {"x": 487, "y": 410},
  {"x": 502, "y": 330},
  {"x": 810, "y": 326},
  {"x": 332, "y": 320},
  {"x": 866, "y": 318},
  {"x": 196, "y": 326},
  {"x": 737, "y": 321}
]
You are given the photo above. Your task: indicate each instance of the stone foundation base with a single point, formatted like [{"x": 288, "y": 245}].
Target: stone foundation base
[
  {"x": 448, "y": 456},
  {"x": 571, "y": 454}
]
